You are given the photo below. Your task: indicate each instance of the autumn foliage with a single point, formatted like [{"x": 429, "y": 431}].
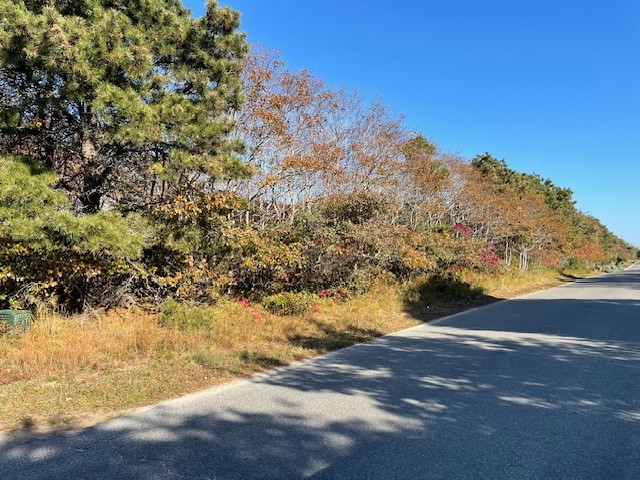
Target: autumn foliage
[{"x": 329, "y": 194}]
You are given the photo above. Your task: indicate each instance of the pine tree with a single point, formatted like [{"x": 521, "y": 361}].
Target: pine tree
[
  {"x": 46, "y": 250},
  {"x": 129, "y": 101}
]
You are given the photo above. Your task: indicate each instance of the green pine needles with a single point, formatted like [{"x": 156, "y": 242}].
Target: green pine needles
[
  {"x": 108, "y": 110},
  {"x": 46, "y": 250},
  {"x": 130, "y": 102}
]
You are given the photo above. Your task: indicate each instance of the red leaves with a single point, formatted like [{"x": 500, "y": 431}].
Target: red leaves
[
  {"x": 246, "y": 304},
  {"x": 463, "y": 229},
  {"x": 490, "y": 259}
]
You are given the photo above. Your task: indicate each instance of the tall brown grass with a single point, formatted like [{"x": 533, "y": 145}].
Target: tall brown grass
[{"x": 67, "y": 370}]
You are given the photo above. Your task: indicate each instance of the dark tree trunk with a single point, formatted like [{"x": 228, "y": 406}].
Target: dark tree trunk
[{"x": 93, "y": 176}]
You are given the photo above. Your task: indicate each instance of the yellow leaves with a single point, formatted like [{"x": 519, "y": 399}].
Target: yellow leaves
[
  {"x": 157, "y": 169},
  {"x": 416, "y": 260},
  {"x": 193, "y": 279},
  {"x": 201, "y": 207},
  {"x": 170, "y": 280},
  {"x": 180, "y": 208},
  {"x": 270, "y": 180},
  {"x": 7, "y": 275},
  {"x": 49, "y": 284}
]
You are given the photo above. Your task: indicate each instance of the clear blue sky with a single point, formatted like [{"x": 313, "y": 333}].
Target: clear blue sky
[{"x": 551, "y": 86}]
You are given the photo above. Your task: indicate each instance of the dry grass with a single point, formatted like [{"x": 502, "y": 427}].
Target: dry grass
[
  {"x": 71, "y": 372},
  {"x": 514, "y": 283}
]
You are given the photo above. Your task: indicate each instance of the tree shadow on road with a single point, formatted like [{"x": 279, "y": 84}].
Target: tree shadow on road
[{"x": 334, "y": 338}]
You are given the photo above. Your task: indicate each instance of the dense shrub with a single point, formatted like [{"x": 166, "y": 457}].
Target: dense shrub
[
  {"x": 357, "y": 207},
  {"x": 440, "y": 288},
  {"x": 254, "y": 262}
]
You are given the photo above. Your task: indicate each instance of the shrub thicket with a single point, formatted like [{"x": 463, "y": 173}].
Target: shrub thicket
[{"x": 134, "y": 174}]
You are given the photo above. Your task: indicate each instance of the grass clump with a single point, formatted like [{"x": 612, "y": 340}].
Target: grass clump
[
  {"x": 576, "y": 268},
  {"x": 218, "y": 360},
  {"x": 186, "y": 318},
  {"x": 512, "y": 283},
  {"x": 288, "y": 303}
]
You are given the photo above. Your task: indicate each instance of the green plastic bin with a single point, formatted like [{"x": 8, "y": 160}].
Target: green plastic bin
[{"x": 15, "y": 321}]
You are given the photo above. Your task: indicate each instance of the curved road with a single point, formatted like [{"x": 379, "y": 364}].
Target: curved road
[{"x": 546, "y": 386}]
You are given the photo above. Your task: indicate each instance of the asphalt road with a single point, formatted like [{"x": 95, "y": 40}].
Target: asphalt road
[{"x": 546, "y": 386}]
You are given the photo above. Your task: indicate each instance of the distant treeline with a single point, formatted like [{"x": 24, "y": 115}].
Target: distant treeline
[{"x": 141, "y": 164}]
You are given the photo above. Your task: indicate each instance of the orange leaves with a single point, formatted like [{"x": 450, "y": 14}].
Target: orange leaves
[
  {"x": 590, "y": 252},
  {"x": 270, "y": 180},
  {"x": 323, "y": 153},
  {"x": 272, "y": 120},
  {"x": 321, "y": 157},
  {"x": 181, "y": 208},
  {"x": 184, "y": 208},
  {"x": 308, "y": 140}
]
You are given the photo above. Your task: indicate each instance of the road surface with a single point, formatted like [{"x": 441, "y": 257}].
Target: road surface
[{"x": 546, "y": 386}]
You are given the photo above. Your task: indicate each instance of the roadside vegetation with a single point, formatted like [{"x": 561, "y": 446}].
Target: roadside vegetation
[
  {"x": 73, "y": 371},
  {"x": 180, "y": 210}
]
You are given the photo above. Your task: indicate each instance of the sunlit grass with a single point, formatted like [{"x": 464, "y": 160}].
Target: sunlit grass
[
  {"x": 512, "y": 283},
  {"x": 67, "y": 372}
]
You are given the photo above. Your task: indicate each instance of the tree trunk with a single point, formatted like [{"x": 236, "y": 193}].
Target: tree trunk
[{"x": 93, "y": 175}]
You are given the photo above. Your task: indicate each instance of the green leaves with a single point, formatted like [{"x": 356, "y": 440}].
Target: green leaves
[{"x": 115, "y": 87}]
